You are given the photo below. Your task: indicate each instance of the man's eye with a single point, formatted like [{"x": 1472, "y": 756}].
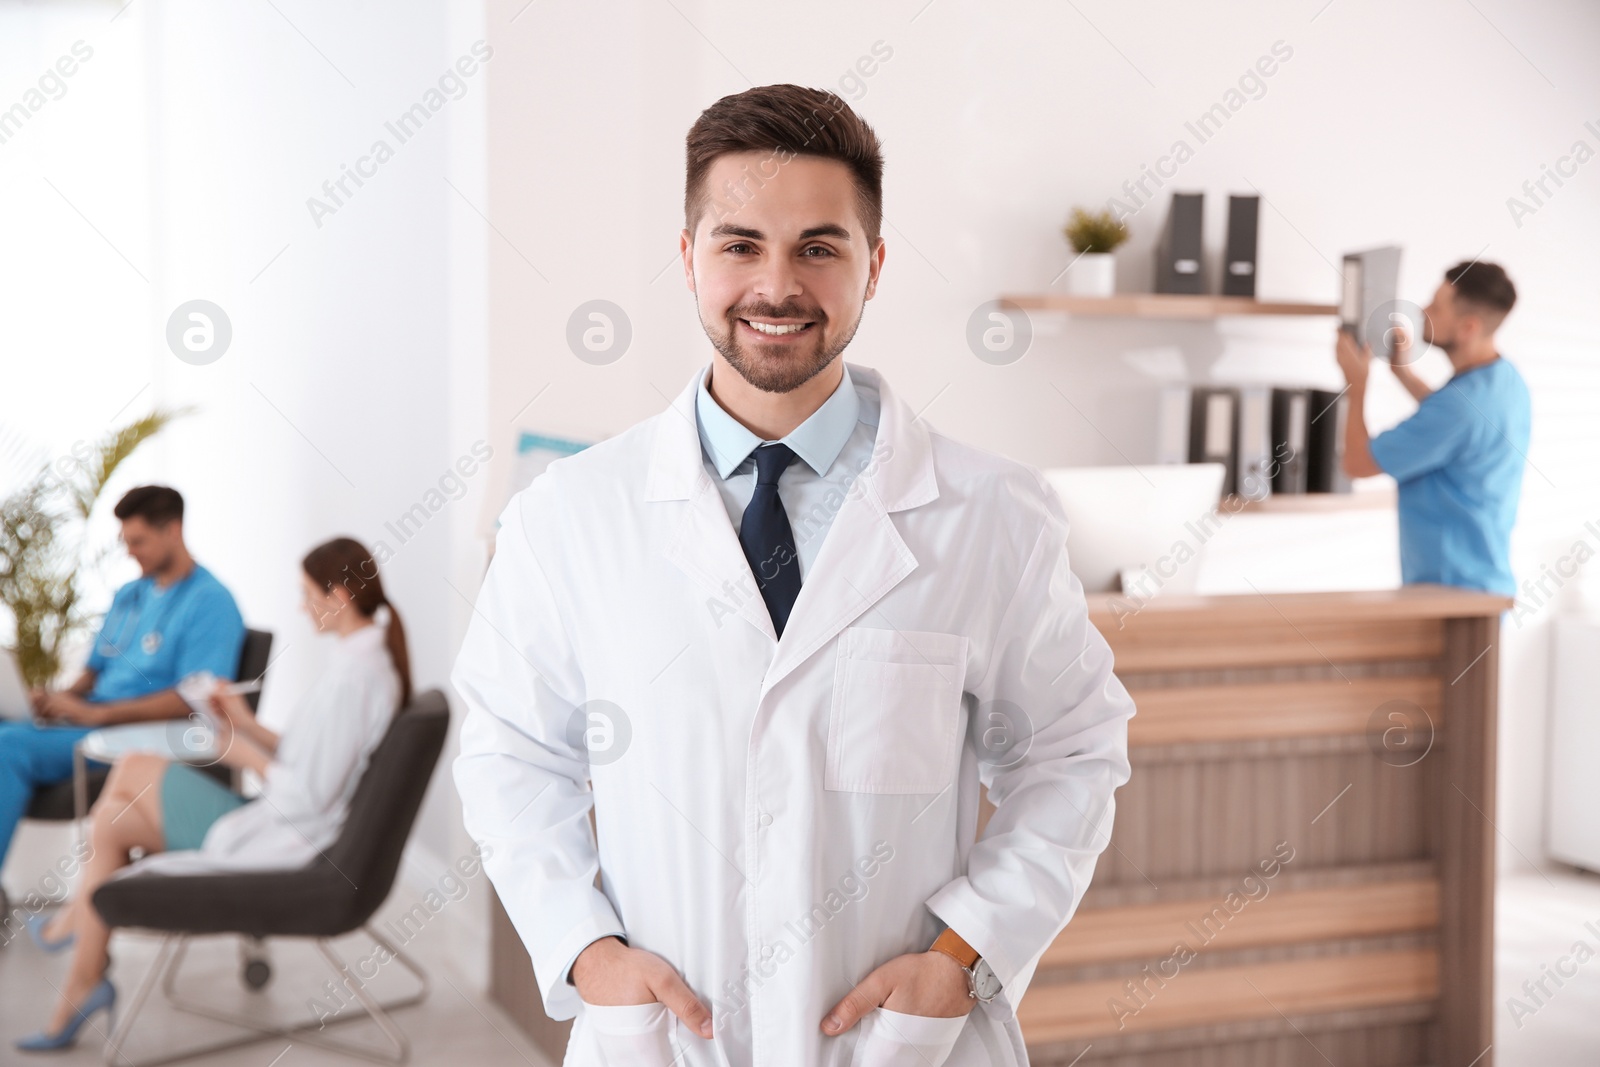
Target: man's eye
[{"x": 743, "y": 248}]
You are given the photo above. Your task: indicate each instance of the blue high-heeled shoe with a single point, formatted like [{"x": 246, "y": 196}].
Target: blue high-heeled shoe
[
  {"x": 36, "y": 925},
  {"x": 103, "y": 995}
]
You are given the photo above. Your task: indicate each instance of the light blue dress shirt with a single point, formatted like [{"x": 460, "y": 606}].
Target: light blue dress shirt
[
  {"x": 833, "y": 446},
  {"x": 1459, "y": 463}
]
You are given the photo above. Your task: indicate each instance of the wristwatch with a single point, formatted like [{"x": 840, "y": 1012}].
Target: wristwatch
[{"x": 982, "y": 985}]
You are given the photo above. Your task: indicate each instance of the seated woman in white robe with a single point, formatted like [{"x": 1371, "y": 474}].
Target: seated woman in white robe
[{"x": 187, "y": 822}]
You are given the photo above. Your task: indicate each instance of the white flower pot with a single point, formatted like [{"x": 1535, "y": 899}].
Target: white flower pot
[{"x": 1093, "y": 274}]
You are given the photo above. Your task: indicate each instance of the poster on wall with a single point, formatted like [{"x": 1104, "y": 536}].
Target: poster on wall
[{"x": 535, "y": 452}]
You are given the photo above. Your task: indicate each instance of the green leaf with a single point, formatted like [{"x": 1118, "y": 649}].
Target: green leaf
[
  {"x": 1098, "y": 231},
  {"x": 43, "y": 550}
]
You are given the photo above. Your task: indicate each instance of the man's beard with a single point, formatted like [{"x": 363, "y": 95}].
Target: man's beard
[
  {"x": 1446, "y": 346},
  {"x": 779, "y": 373}
]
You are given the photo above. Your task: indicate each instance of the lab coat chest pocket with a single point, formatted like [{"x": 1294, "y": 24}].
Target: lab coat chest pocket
[{"x": 894, "y": 722}]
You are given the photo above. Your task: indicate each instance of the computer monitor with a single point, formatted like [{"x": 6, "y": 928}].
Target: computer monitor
[{"x": 1125, "y": 519}]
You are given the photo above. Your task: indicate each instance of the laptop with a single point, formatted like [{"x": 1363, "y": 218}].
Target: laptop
[{"x": 14, "y": 703}]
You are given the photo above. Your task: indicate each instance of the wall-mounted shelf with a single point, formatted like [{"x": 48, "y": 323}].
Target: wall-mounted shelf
[{"x": 1163, "y": 305}]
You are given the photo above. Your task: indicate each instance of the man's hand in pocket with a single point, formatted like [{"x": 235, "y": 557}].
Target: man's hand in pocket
[
  {"x": 609, "y": 972},
  {"x": 920, "y": 983}
]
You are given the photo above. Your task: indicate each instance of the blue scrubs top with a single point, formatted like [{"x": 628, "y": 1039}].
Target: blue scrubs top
[
  {"x": 1459, "y": 463},
  {"x": 154, "y": 637}
]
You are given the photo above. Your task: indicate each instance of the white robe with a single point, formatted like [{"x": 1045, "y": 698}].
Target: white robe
[
  {"x": 308, "y": 785},
  {"x": 777, "y": 817}
]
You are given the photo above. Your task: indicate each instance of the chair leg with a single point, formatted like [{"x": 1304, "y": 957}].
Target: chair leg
[
  {"x": 80, "y": 794},
  {"x": 397, "y": 1038},
  {"x": 170, "y": 957},
  {"x": 167, "y": 957}
]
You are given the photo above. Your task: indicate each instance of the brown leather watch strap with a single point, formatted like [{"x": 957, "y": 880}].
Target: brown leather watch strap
[{"x": 951, "y": 944}]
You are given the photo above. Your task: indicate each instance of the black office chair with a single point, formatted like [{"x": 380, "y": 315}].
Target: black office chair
[
  {"x": 336, "y": 893},
  {"x": 56, "y": 803}
]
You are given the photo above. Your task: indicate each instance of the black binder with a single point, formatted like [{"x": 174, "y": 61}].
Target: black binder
[
  {"x": 1239, "y": 256},
  {"x": 1325, "y": 442},
  {"x": 1289, "y": 422},
  {"x": 1214, "y": 430},
  {"x": 1179, "y": 250}
]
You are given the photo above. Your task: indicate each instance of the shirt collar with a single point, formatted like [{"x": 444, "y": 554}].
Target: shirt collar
[
  {"x": 166, "y": 590},
  {"x": 818, "y": 440}
]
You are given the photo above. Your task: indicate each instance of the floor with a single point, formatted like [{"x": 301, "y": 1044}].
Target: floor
[
  {"x": 455, "y": 1025},
  {"x": 1541, "y": 920}
]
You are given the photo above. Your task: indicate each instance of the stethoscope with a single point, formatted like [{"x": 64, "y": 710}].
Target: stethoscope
[{"x": 151, "y": 642}]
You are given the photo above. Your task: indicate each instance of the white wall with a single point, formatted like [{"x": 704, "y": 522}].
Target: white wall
[
  {"x": 1411, "y": 124},
  {"x": 191, "y": 142}
]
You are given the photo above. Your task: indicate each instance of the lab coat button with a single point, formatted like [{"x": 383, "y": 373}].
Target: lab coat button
[
  {"x": 766, "y": 820},
  {"x": 766, "y": 952}
]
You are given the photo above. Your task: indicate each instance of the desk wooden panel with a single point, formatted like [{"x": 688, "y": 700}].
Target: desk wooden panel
[
  {"x": 1243, "y": 993},
  {"x": 1355, "y": 729}
]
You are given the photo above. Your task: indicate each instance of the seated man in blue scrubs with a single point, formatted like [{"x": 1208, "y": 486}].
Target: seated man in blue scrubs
[
  {"x": 171, "y": 621},
  {"x": 1459, "y": 458}
]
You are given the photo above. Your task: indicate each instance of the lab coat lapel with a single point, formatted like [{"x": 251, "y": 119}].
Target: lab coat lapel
[
  {"x": 703, "y": 543},
  {"x": 862, "y": 557}
]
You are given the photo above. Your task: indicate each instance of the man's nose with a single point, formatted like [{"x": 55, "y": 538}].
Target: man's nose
[{"x": 777, "y": 283}]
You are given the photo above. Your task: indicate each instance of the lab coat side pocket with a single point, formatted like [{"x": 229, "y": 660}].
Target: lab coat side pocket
[
  {"x": 631, "y": 1035},
  {"x": 895, "y": 1039},
  {"x": 893, "y": 726}
]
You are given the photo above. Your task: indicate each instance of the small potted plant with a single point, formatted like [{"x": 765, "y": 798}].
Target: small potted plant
[{"x": 1093, "y": 236}]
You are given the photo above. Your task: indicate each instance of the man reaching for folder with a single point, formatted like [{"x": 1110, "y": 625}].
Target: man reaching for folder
[{"x": 1458, "y": 459}]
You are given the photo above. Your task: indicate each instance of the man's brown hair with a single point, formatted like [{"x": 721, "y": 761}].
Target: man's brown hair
[
  {"x": 155, "y": 504},
  {"x": 783, "y": 121},
  {"x": 1485, "y": 289}
]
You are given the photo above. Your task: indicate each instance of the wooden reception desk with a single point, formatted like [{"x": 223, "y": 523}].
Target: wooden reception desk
[{"x": 1301, "y": 869}]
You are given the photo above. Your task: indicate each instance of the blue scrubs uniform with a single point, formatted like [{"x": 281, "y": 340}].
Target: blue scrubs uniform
[
  {"x": 150, "y": 639},
  {"x": 1459, "y": 463}
]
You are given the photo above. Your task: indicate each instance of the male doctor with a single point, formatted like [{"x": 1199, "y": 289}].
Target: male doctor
[
  {"x": 176, "y": 618},
  {"x": 776, "y": 639}
]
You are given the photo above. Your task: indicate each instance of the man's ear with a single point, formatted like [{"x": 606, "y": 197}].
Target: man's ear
[
  {"x": 875, "y": 267},
  {"x": 686, "y": 251}
]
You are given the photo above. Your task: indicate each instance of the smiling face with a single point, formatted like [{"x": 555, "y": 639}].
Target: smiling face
[
  {"x": 153, "y": 548},
  {"x": 781, "y": 280}
]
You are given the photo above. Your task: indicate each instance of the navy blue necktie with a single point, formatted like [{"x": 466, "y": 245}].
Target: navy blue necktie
[{"x": 767, "y": 539}]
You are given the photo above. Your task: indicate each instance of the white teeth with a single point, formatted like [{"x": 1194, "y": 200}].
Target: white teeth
[{"x": 777, "y": 330}]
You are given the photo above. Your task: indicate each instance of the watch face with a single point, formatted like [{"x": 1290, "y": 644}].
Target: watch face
[{"x": 985, "y": 986}]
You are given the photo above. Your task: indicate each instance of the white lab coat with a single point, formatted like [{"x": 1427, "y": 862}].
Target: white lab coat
[
  {"x": 778, "y": 817},
  {"x": 306, "y": 792}
]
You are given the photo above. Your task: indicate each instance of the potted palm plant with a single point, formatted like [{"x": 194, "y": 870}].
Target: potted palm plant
[
  {"x": 44, "y": 550},
  {"x": 1094, "y": 235}
]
